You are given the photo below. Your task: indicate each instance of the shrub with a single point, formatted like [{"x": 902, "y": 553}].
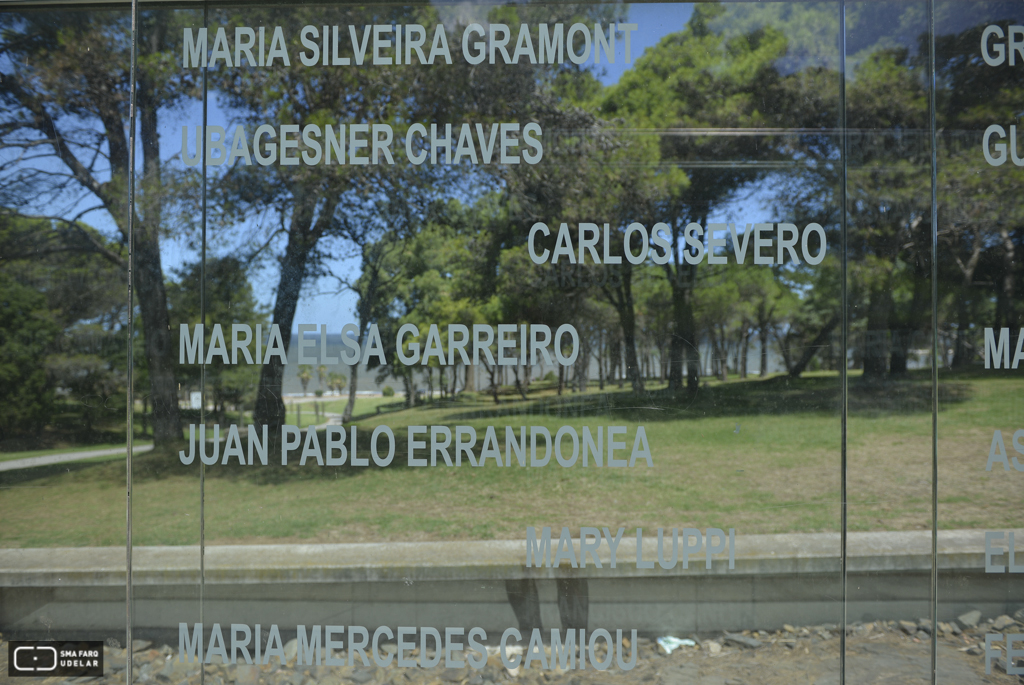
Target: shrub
[{"x": 388, "y": 391}]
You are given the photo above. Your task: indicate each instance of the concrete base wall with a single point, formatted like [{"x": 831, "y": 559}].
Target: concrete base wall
[{"x": 777, "y": 580}]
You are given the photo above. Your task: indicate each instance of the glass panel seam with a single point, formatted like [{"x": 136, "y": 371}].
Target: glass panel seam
[
  {"x": 130, "y": 401},
  {"x": 845, "y": 334},
  {"x": 202, "y": 368},
  {"x": 935, "y": 344}
]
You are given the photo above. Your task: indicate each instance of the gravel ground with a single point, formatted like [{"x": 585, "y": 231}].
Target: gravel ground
[{"x": 890, "y": 652}]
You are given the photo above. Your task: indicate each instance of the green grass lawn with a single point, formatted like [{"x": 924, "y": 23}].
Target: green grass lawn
[
  {"x": 760, "y": 456},
  {"x": 300, "y": 411}
]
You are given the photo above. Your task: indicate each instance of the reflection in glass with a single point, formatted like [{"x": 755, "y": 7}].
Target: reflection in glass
[{"x": 348, "y": 443}]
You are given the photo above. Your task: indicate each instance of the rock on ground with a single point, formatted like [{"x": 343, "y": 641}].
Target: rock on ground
[{"x": 878, "y": 653}]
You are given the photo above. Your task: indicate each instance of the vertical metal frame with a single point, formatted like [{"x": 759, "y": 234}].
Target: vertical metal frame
[
  {"x": 130, "y": 404},
  {"x": 933, "y": 139}
]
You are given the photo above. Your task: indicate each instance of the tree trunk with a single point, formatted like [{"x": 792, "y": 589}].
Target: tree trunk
[
  {"x": 1009, "y": 283},
  {"x": 900, "y": 350},
  {"x": 350, "y": 406},
  {"x": 149, "y": 275},
  {"x": 112, "y": 193},
  {"x": 145, "y": 414},
  {"x": 623, "y": 303},
  {"x": 303, "y": 235},
  {"x": 270, "y": 410},
  {"x": 156, "y": 326},
  {"x": 762, "y": 335},
  {"x": 615, "y": 373},
  {"x": 676, "y": 345},
  {"x": 812, "y": 349},
  {"x": 683, "y": 347},
  {"x": 410, "y": 392},
  {"x": 523, "y": 596},
  {"x": 628, "y": 323},
  {"x": 915, "y": 319},
  {"x": 744, "y": 352},
  {"x": 520, "y": 387},
  {"x": 583, "y": 365},
  {"x": 723, "y": 355},
  {"x": 963, "y": 351},
  {"x": 573, "y": 603},
  {"x": 876, "y": 336}
]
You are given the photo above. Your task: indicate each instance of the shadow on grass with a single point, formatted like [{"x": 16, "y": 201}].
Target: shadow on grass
[
  {"x": 76, "y": 470},
  {"x": 778, "y": 396},
  {"x": 55, "y": 435}
]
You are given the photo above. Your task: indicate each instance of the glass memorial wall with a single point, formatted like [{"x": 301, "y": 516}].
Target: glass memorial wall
[{"x": 483, "y": 343}]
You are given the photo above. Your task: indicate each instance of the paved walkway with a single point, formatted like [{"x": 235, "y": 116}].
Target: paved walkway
[{"x": 47, "y": 459}]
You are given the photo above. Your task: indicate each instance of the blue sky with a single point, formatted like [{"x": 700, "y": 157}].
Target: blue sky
[
  {"x": 318, "y": 304},
  {"x": 654, "y": 21}
]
